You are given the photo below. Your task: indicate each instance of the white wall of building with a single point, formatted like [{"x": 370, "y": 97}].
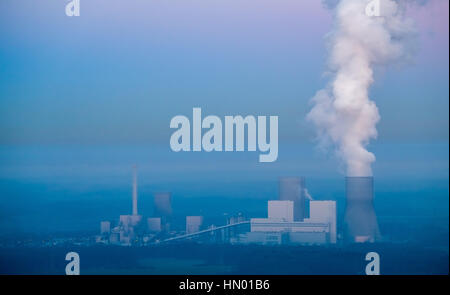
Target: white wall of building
[
  {"x": 154, "y": 224},
  {"x": 127, "y": 221},
  {"x": 324, "y": 212},
  {"x": 279, "y": 225},
  {"x": 193, "y": 224},
  {"x": 283, "y": 210}
]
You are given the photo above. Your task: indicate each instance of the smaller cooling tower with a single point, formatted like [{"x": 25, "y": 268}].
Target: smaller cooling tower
[
  {"x": 360, "y": 219},
  {"x": 163, "y": 208},
  {"x": 163, "y": 204},
  {"x": 293, "y": 189}
]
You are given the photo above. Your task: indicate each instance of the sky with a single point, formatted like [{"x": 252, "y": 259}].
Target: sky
[{"x": 118, "y": 73}]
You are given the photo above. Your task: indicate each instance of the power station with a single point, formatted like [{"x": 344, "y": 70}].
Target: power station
[
  {"x": 280, "y": 226},
  {"x": 293, "y": 218}
]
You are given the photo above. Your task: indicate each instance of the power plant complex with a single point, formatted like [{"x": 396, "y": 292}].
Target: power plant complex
[
  {"x": 295, "y": 218},
  {"x": 289, "y": 222}
]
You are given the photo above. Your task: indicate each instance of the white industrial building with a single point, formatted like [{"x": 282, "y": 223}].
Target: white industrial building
[
  {"x": 282, "y": 210},
  {"x": 154, "y": 224},
  {"x": 280, "y": 227},
  {"x": 129, "y": 220},
  {"x": 193, "y": 224},
  {"x": 324, "y": 212}
]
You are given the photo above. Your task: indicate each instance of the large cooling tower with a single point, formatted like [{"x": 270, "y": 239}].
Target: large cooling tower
[
  {"x": 293, "y": 189},
  {"x": 360, "y": 219}
]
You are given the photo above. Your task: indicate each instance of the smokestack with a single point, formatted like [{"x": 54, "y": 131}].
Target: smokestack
[
  {"x": 360, "y": 220},
  {"x": 135, "y": 208},
  {"x": 293, "y": 189}
]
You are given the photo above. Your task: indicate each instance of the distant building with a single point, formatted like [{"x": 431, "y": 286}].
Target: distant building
[
  {"x": 114, "y": 237},
  {"x": 127, "y": 227},
  {"x": 128, "y": 221},
  {"x": 154, "y": 224},
  {"x": 131, "y": 228},
  {"x": 105, "y": 227},
  {"x": 236, "y": 218},
  {"x": 126, "y": 237},
  {"x": 193, "y": 224}
]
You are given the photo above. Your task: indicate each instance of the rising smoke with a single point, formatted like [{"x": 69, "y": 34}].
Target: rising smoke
[{"x": 343, "y": 113}]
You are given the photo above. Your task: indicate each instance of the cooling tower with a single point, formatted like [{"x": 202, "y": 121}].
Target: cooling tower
[
  {"x": 293, "y": 189},
  {"x": 360, "y": 220},
  {"x": 163, "y": 208},
  {"x": 163, "y": 204}
]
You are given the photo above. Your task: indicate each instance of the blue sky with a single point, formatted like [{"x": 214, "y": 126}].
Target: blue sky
[{"x": 121, "y": 71}]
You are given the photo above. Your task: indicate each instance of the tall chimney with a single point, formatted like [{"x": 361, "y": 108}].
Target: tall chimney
[
  {"x": 360, "y": 219},
  {"x": 135, "y": 208}
]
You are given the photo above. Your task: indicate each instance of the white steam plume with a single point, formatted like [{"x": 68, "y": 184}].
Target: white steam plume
[
  {"x": 343, "y": 112},
  {"x": 308, "y": 195}
]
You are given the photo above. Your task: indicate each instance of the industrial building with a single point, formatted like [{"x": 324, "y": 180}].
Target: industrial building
[
  {"x": 125, "y": 232},
  {"x": 134, "y": 229},
  {"x": 283, "y": 210},
  {"x": 289, "y": 220},
  {"x": 193, "y": 224},
  {"x": 281, "y": 228},
  {"x": 128, "y": 223},
  {"x": 154, "y": 224},
  {"x": 324, "y": 212}
]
